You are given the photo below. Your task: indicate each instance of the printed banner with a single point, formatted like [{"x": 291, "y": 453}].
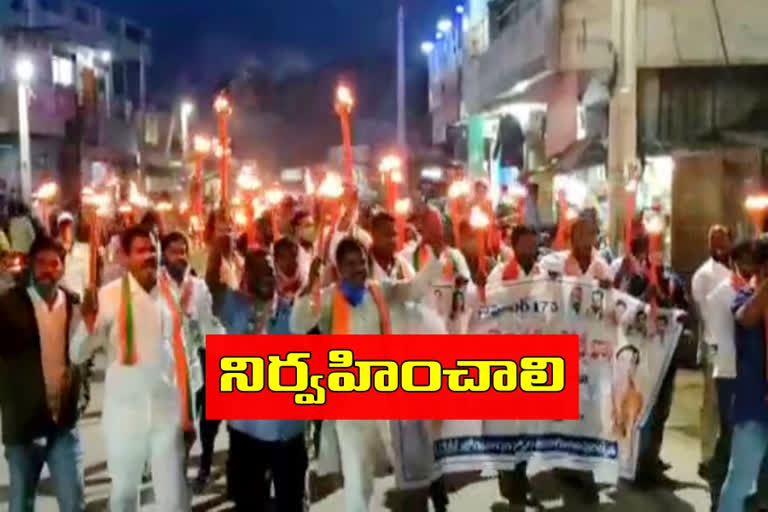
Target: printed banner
[{"x": 624, "y": 352}]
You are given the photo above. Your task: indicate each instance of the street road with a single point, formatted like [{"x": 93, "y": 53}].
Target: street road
[{"x": 479, "y": 494}]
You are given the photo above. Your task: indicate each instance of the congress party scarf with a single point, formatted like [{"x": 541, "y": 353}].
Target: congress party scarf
[
  {"x": 421, "y": 257},
  {"x": 125, "y": 324},
  {"x": 341, "y": 311},
  {"x": 179, "y": 353}
]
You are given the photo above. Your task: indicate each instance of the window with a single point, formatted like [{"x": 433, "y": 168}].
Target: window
[
  {"x": 63, "y": 71},
  {"x": 82, "y": 14},
  {"x": 54, "y": 6}
]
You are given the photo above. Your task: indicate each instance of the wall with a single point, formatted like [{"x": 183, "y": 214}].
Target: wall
[
  {"x": 524, "y": 48},
  {"x": 723, "y": 175},
  {"x": 669, "y": 33},
  {"x": 680, "y": 105}
]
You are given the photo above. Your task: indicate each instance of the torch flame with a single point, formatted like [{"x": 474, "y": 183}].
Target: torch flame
[
  {"x": 458, "y": 189},
  {"x": 571, "y": 215},
  {"x": 403, "y": 206},
  {"x": 344, "y": 96},
  {"x": 397, "y": 176},
  {"x": 756, "y": 203},
  {"x": 164, "y": 206},
  {"x": 389, "y": 163},
  {"x": 125, "y": 208},
  {"x": 183, "y": 207},
  {"x": 202, "y": 144},
  {"x": 247, "y": 181},
  {"x": 222, "y": 105},
  {"x": 240, "y": 218},
  {"x": 331, "y": 187},
  {"x": 655, "y": 225},
  {"x": 47, "y": 191},
  {"x": 478, "y": 219},
  {"x": 274, "y": 196}
]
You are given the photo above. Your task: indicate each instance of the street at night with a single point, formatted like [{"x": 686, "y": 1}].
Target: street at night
[{"x": 384, "y": 255}]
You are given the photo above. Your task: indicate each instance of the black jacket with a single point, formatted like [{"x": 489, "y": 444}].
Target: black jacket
[{"x": 23, "y": 404}]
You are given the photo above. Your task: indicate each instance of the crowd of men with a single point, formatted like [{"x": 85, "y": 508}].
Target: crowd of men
[{"x": 153, "y": 310}]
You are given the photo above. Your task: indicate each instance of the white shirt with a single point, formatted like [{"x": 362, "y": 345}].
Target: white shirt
[
  {"x": 709, "y": 275},
  {"x": 720, "y": 322},
  {"x": 557, "y": 262},
  {"x": 52, "y": 327},
  {"x": 77, "y": 268},
  {"x": 364, "y": 319},
  {"x": 148, "y": 387}
]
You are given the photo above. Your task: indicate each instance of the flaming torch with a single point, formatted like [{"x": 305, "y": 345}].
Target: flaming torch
[
  {"x": 756, "y": 206},
  {"x": 388, "y": 166},
  {"x": 223, "y": 108},
  {"x": 97, "y": 209},
  {"x": 345, "y": 102}
]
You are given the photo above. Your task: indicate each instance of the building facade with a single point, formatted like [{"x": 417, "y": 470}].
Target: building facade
[{"x": 88, "y": 92}]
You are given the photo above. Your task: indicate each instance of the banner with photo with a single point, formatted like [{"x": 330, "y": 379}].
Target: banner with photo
[{"x": 625, "y": 351}]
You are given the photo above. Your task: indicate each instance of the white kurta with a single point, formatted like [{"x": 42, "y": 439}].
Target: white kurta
[
  {"x": 360, "y": 443},
  {"x": 709, "y": 275},
  {"x": 142, "y": 413}
]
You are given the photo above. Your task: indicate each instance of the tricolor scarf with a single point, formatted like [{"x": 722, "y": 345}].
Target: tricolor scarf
[
  {"x": 125, "y": 324},
  {"x": 179, "y": 352},
  {"x": 341, "y": 311},
  {"x": 421, "y": 256}
]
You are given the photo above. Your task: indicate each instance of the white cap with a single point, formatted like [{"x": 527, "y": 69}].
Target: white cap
[{"x": 65, "y": 216}]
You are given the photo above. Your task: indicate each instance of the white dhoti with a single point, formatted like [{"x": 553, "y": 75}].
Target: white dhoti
[
  {"x": 365, "y": 446},
  {"x": 140, "y": 425}
]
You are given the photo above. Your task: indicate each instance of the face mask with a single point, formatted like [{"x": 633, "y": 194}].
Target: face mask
[
  {"x": 45, "y": 290},
  {"x": 307, "y": 234},
  {"x": 176, "y": 270},
  {"x": 353, "y": 293}
]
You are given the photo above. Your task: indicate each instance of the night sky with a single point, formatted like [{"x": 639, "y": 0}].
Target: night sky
[{"x": 197, "y": 42}]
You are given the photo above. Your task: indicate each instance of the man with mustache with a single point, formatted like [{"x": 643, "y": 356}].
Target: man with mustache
[
  {"x": 39, "y": 388},
  {"x": 357, "y": 305},
  {"x": 196, "y": 305},
  {"x": 147, "y": 395}
]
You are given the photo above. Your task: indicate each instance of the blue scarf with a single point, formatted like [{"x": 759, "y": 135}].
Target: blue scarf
[{"x": 353, "y": 293}]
